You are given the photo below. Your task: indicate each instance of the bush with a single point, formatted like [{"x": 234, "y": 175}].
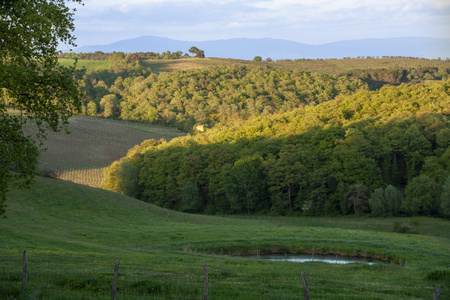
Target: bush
[{"x": 412, "y": 227}]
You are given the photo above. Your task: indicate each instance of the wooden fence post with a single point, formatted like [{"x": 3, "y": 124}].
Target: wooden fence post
[
  {"x": 305, "y": 287},
  {"x": 205, "y": 282},
  {"x": 25, "y": 271},
  {"x": 114, "y": 285},
  {"x": 437, "y": 292}
]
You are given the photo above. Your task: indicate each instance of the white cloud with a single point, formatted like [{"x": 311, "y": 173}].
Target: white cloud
[
  {"x": 309, "y": 21},
  {"x": 237, "y": 25}
]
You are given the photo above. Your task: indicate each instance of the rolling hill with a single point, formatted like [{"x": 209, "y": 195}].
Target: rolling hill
[
  {"x": 92, "y": 145},
  {"x": 73, "y": 235}
]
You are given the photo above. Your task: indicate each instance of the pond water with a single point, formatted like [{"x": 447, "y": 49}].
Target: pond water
[{"x": 317, "y": 258}]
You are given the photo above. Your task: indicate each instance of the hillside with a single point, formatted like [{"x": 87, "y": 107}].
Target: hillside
[
  {"x": 209, "y": 94},
  {"x": 92, "y": 145},
  {"x": 305, "y": 139},
  {"x": 73, "y": 235},
  {"x": 308, "y": 160}
]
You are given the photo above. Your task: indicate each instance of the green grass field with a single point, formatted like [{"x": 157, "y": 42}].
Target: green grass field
[
  {"x": 73, "y": 235},
  {"x": 84, "y": 63},
  {"x": 92, "y": 145},
  {"x": 330, "y": 66}
]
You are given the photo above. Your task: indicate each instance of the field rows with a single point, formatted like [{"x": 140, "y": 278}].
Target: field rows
[{"x": 92, "y": 145}]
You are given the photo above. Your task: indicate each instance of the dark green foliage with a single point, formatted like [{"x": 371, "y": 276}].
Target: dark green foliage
[
  {"x": 393, "y": 198},
  {"x": 128, "y": 183},
  {"x": 32, "y": 83},
  {"x": 377, "y": 203},
  {"x": 311, "y": 160},
  {"x": 357, "y": 196},
  {"x": 198, "y": 53},
  {"x": 285, "y": 175},
  {"x": 244, "y": 185},
  {"x": 131, "y": 57},
  {"x": 385, "y": 202},
  {"x": 445, "y": 198},
  {"x": 421, "y": 196},
  {"x": 191, "y": 199}
]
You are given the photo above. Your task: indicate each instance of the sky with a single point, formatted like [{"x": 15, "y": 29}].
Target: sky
[{"x": 314, "y": 22}]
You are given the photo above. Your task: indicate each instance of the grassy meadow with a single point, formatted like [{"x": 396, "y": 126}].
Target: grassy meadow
[
  {"x": 84, "y": 63},
  {"x": 92, "y": 145},
  {"x": 329, "y": 66},
  {"x": 74, "y": 233}
]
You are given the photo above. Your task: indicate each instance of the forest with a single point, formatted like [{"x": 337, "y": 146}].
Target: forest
[
  {"x": 222, "y": 94},
  {"x": 281, "y": 141}
]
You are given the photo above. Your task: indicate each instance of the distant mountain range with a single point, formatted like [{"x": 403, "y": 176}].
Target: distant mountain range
[{"x": 246, "y": 48}]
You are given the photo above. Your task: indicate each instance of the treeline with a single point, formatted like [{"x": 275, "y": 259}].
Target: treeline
[
  {"x": 222, "y": 94},
  {"x": 384, "y": 152},
  {"x": 99, "y": 55}
]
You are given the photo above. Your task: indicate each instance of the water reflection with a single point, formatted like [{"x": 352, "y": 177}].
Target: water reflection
[{"x": 321, "y": 258}]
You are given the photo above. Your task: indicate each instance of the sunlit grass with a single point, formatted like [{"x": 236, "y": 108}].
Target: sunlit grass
[
  {"x": 170, "y": 65},
  {"x": 84, "y": 63},
  {"x": 330, "y": 66},
  {"x": 74, "y": 233},
  {"x": 92, "y": 145}
]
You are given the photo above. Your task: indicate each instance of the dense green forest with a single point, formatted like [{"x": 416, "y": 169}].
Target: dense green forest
[
  {"x": 222, "y": 94},
  {"x": 292, "y": 142},
  {"x": 281, "y": 140}
]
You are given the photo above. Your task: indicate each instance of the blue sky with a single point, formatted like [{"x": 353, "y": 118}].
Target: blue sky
[{"x": 306, "y": 21}]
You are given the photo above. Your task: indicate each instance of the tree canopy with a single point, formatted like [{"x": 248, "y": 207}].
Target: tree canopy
[
  {"x": 33, "y": 86},
  {"x": 317, "y": 159},
  {"x": 198, "y": 53}
]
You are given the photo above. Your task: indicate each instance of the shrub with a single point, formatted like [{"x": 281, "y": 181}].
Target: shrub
[{"x": 412, "y": 227}]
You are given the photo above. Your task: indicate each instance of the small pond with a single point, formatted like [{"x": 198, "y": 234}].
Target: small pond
[{"x": 317, "y": 258}]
